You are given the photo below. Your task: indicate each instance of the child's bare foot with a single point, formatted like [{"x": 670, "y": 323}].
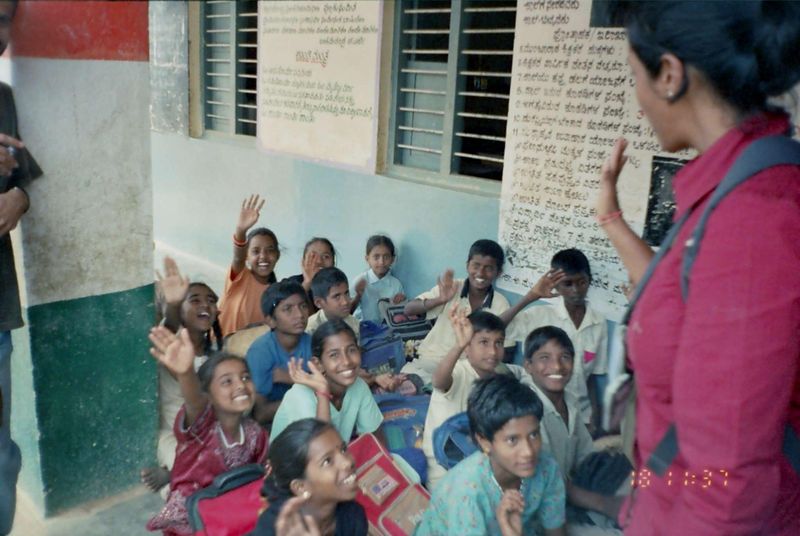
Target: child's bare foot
[{"x": 155, "y": 478}]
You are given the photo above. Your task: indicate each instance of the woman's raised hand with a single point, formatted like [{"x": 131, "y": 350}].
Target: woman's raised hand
[
  {"x": 509, "y": 513},
  {"x": 248, "y": 216},
  {"x": 292, "y": 522},
  {"x": 175, "y": 352},
  {"x": 607, "y": 201}
]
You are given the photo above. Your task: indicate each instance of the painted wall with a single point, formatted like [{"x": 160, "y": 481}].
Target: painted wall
[{"x": 80, "y": 76}]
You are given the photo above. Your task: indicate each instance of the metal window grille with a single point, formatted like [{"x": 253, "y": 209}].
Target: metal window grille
[
  {"x": 229, "y": 59},
  {"x": 453, "y": 70}
]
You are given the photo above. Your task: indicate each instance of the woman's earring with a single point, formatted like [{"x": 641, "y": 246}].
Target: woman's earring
[
  {"x": 670, "y": 94},
  {"x": 306, "y": 495}
]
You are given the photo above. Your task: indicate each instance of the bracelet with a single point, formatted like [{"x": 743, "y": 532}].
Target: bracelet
[
  {"x": 325, "y": 395},
  {"x": 239, "y": 244},
  {"x": 608, "y": 218}
]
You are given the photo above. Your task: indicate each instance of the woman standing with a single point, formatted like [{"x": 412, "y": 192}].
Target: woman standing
[{"x": 721, "y": 364}]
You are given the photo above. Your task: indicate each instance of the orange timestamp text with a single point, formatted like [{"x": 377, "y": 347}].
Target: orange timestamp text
[{"x": 708, "y": 478}]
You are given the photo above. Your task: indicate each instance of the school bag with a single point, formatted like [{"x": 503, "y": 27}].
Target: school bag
[
  {"x": 393, "y": 504},
  {"x": 452, "y": 441},
  {"x": 405, "y": 327},
  {"x": 230, "y": 505},
  {"x": 403, "y": 425},
  {"x": 381, "y": 351},
  {"x": 620, "y": 395}
]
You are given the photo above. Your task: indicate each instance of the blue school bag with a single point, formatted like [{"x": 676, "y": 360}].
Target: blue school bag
[
  {"x": 403, "y": 425},
  {"x": 452, "y": 441},
  {"x": 381, "y": 352}
]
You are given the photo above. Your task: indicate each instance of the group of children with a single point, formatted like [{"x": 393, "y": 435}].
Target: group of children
[{"x": 302, "y": 380}]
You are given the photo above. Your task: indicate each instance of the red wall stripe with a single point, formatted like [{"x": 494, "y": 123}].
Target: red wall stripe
[{"x": 81, "y": 30}]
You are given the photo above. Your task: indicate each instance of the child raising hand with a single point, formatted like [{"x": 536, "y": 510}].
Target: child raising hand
[
  {"x": 212, "y": 433},
  {"x": 255, "y": 254}
]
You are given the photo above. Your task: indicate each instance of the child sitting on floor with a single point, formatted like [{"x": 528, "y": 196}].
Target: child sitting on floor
[
  {"x": 255, "y": 254},
  {"x": 333, "y": 391},
  {"x": 549, "y": 361},
  {"x": 314, "y": 476},
  {"x": 484, "y": 264},
  {"x": 569, "y": 277},
  {"x": 480, "y": 337},
  {"x": 192, "y": 306},
  {"x": 285, "y": 310},
  {"x": 377, "y": 283},
  {"x": 508, "y": 487},
  {"x": 213, "y": 434},
  {"x": 318, "y": 253},
  {"x": 332, "y": 297}
]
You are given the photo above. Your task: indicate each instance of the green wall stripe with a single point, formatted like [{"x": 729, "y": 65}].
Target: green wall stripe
[{"x": 95, "y": 394}]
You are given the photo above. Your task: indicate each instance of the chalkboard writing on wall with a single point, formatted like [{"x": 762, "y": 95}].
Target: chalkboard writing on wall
[{"x": 572, "y": 96}]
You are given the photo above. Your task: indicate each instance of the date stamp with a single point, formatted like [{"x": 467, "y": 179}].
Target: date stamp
[{"x": 707, "y": 479}]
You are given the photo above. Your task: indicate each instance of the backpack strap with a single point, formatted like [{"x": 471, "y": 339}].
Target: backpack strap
[{"x": 762, "y": 154}]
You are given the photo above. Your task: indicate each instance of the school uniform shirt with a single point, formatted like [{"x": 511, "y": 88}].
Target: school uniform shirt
[
  {"x": 240, "y": 305},
  {"x": 359, "y": 414},
  {"x": 590, "y": 341},
  {"x": 568, "y": 442},
  {"x": 445, "y": 404},
  {"x": 266, "y": 354},
  {"x": 386, "y": 287},
  {"x": 466, "y": 499},
  {"x": 319, "y": 318},
  {"x": 203, "y": 453},
  {"x": 723, "y": 364},
  {"x": 442, "y": 338}
]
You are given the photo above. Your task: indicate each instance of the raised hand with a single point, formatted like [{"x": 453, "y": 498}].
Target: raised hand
[
  {"x": 311, "y": 265},
  {"x": 175, "y": 352},
  {"x": 248, "y": 216},
  {"x": 291, "y": 522},
  {"x": 172, "y": 285},
  {"x": 607, "y": 201},
  {"x": 509, "y": 513},
  {"x": 314, "y": 380},
  {"x": 461, "y": 325},
  {"x": 545, "y": 287},
  {"x": 447, "y": 286}
]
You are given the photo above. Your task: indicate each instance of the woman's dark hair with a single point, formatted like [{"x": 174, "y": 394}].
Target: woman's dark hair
[
  {"x": 495, "y": 401},
  {"x": 208, "y": 340},
  {"x": 540, "y": 336},
  {"x": 488, "y": 248},
  {"x": 747, "y": 50},
  {"x": 277, "y": 292},
  {"x": 485, "y": 321},
  {"x": 325, "y": 241},
  {"x": 380, "y": 240},
  {"x": 263, "y": 231},
  {"x": 288, "y": 456},
  {"x": 572, "y": 261},
  {"x": 331, "y": 327},
  {"x": 206, "y": 371}
]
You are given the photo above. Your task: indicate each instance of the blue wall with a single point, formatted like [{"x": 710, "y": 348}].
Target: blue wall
[{"x": 198, "y": 186}]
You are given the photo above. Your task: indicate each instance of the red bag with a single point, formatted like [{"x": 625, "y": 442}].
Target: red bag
[
  {"x": 230, "y": 505},
  {"x": 393, "y": 504}
]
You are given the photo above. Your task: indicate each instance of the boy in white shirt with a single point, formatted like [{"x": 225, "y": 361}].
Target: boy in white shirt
[
  {"x": 569, "y": 277},
  {"x": 480, "y": 337}
]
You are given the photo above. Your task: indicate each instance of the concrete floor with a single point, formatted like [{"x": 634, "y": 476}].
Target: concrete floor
[{"x": 122, "y": 515}]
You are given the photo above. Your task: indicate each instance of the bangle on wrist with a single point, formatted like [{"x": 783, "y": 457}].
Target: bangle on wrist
[
  {"x": 323, "y": 394},
  {"x": 608, "y": 218},
  {"x": 239, "y": 243}
]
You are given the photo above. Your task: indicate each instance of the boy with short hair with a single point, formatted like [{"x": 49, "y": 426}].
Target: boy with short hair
[
  {"x": 549, "y": 356},
  {"x": 331, "y": 293},
  {"x": 568, "y": 277},
  {"x": 484, "y": 265},
  {"x": 480, "y": 337}
]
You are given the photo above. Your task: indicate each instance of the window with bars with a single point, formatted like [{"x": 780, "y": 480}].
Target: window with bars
[
  {"x": 453, "y": 78},
  {"x": 229, "y": 59}
]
